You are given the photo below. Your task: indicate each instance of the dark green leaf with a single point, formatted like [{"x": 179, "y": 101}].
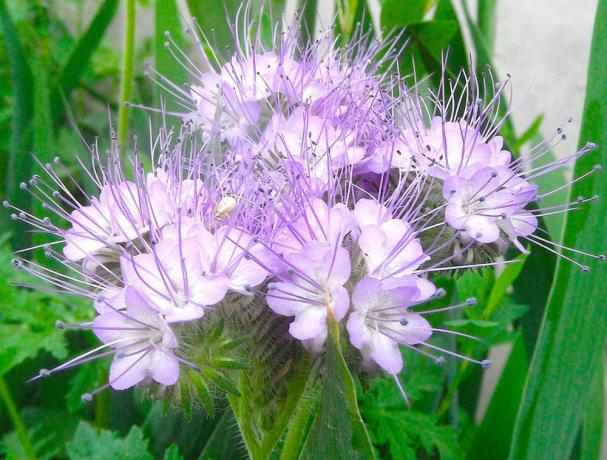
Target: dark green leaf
[
  {"x": 168, "y": 21},
  {"x": 400, "y": 13},
  {"x": 172, "y": 453},
  {"x": 213, "y": 18},
  {"x": 401, "y": 433},
  {"x": 81, "y": 55},
  {"x": 17, "y": 166},
  {"x": 338, "y": 431},
  {"x": 492, "y": 438}
]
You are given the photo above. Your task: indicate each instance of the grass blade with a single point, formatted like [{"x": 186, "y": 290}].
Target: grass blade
[
  {"x": 18, "y": 163},
  {"x": 80, "y": 56},
  {"x": 573, "y": 332}
]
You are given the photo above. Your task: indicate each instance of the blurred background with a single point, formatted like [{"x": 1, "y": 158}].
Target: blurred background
[{"x": 62, "y": 75}]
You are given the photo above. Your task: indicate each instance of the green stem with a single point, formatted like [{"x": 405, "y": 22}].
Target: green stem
[
  {"x": 24, "y": 439},
  {"x": 126, "y": 79}
]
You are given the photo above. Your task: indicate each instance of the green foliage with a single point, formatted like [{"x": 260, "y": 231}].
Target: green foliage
[
  {"x": 56, "y": 71},
  {"x": 88, "y": 443},
  {"x": 401, "y": 433},
  {"x": 338, "y": 431},
  {"x": 27, "y": 318}
]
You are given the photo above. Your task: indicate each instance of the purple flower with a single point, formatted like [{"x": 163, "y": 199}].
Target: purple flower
[
  {"x": 119, "y": 215},
  {"x": 143, "y": 343},
  {"x": 172, "y": 276},
  {"x": 311, "y": 289},
  {"x": 381, "y": 321},
  {"x": 390, "y": 247}
]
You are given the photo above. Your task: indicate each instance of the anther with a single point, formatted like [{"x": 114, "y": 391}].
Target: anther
[
  {"x": 44, "y": 372},
  {"x": 471, "y": 302},
  {"x": 440, "y": 360},
  {"x": 585, "y": 268},
  {"x": 601, "y": 257},
  {"x": 403, "y": 322},
  {"x": 486, "y": 363},
  {"x": 271, "y": 286},
  {"x": 59, "y": 324},
  {"x": 22, "y": 185},
  {"x": 6, "y": 204},
  {"x": 86, "y": 397}
]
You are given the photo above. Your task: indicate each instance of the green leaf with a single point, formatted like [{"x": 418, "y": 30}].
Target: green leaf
[
  {"x": 90, "y": 444},
  {"x": 220, "y": 380},
  {"x": 592, "y": 429},
  {"x": 548, "y": 183},
  {"x": 484, "y": 61},
  {"x": 486, "y": 21},
  {"x": 27, "y": 318},
  {"x": 172, "y": 453},
  {"x": 211, "y": 17},
  {"x": 508, "y": 276},
  {"x": 400, "y": 433},
  {"x": 18, "y": 164},
  {"x": 493, "y": 436},
  {"x": 458, "y": 54},
  {"x": 338, "y": 431},
  {"x": 530, "y": 133},
  {"x": 573, "y": 332},
  {"x": 168, "y": 21},
  {"x": 308, "y": 20},
  {"x": 221, "y": 442},
  {"x": 81, "y": 55},
  {"x": 400, "y": 13}
]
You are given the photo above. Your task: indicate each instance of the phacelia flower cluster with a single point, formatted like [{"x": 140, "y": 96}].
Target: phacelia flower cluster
[{"x": 305, "y": 177}]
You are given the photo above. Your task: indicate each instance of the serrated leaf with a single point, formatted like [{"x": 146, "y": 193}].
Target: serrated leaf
[
  {"x": 27, "y": 318},
  {"x": 90, "y": 444},
  {"x": 403, "y": 433}
]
